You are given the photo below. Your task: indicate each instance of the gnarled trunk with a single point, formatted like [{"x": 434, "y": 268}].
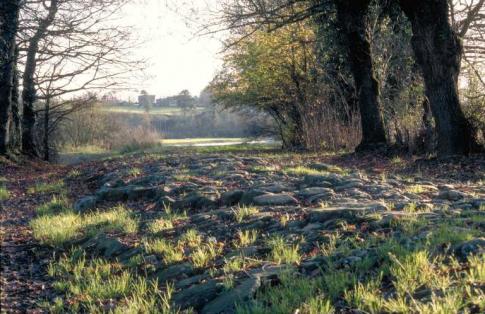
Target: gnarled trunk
[
  {"x": 29, "y": 88},
  {"x": 438, "y": 52},
  {"x": 9, "y": 12},
  {"x": 351, "y": 15}
]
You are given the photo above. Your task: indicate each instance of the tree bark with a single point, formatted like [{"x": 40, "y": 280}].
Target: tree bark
[
  {"x": 9, "y": 14},
  {"x": 46, "y": 130},
  {"x": 351, "y": 16},
  {"x": 15, "y": 123},
  {"x": 438, "y": 52},
  {"x": 29, "y": 89}
]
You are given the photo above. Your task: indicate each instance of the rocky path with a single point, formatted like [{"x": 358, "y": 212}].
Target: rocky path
[
  {"x": 24, "y": 281},
  {"x": 237, "y": 205}
]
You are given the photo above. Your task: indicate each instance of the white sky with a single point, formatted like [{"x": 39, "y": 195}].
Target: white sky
[{"x": 176, "y": 58}]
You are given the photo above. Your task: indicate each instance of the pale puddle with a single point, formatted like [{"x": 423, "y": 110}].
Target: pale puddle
[{"x": 211, "y": 143}]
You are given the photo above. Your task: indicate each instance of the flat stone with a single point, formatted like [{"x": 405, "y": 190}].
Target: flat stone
[
  {"x": 275, "y": 188},
  {"x": 321, "y": 166},
  {"x": 312, "y": 227},
  {"x": 174, "y": 271},
  {"x": 351, "y": 211},
  {"x": 451, "y": 195},
  {"x": 248, "y": 196},
  {"x": 149, "y": 180},
  {"x": 321, "y": 197},
  {"x": 469, "y": 248},
  {"x": 307, "y": 192},
  {"x": 195, "y": 201},
  {"x": 321, "y": 180},
  {"x": 352, "y": 184},
  {"x": 478, "y": 203},
  {"x": 275, "y": 199},
  {"x": 130, "y": 192},
  {"x": 197, "y": 296},
  {"x": 184, "y": 283},
  {"x": 85, "y": 204},
  {"x": 226, "y": 302},
  {"x": 230, "y": 198}
]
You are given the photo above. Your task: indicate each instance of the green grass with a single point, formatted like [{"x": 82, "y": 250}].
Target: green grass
[
  {"x": 281, "y": 252},
  {"x": 4, "y": 193},
  {"x": 302, "y": 171},
  {"x": 134, "y": 172},
  {"x": 203, "y": 255},
  {"x": 61, "y": 229},
  {"x": 292, "y": 295},
  {"x": 191, "y": 238},
  {"x": 234, "y": 265},
  {"x": 243, "y": 212},
  {"x": 57, "y": 205},
  {"x": 264, "y": 169},
  {"x": 166, "y": 221},
  {"x": 411, "y": 272},
  {"x": 169, "y": 252},
  {"x": 47, "y": 187},
  {"x": 89, "y": 285},
  {"x": 419, "y": 189},
  {"x": 246, "y": 238}
]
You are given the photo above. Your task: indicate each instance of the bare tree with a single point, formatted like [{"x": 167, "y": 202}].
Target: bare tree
[
  {"x": 76, "y": 46},
  {"x": 9, "y": 14}
]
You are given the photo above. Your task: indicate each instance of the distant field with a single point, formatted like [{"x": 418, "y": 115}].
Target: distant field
[
  {"x": 74, "y": 155},
  {"x": 153, "y": 111}
]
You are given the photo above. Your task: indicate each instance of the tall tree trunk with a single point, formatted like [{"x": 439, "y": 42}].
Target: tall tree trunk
[
  {"x": 46, "y": 129},
  {"x": 15, "y": 132},
  {"x": 9, "y": 14},
  {"x": 29, "y": 88},
  {"x": 438, "y": 52},
  {"x": 351, "y": 16}
]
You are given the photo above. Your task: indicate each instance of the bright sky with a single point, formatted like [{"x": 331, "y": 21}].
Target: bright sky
[{"x": 177, "y": 59}]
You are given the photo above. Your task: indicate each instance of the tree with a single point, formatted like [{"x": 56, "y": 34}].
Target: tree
[
  {"x": 28, "y": 79},
  {"x": 271, "y": 15},
  {"x": 9, "y": 14},
  {"x": 185, "y": 100},
  {"x": 351, "y": 15},
  {"x": 69, "y": 46},
  {"x": 438, "y": 51}
]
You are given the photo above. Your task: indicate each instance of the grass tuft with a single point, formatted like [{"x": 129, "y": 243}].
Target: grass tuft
[
  {"x": 4, "y": 193},
  {"x": 282, "y": 253},
  {"x": 59, "y": 230},
  {"x": 242, "y": 212},
  {"x": 45, "y": 187},
  {"x": 246, "y": 238}
]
